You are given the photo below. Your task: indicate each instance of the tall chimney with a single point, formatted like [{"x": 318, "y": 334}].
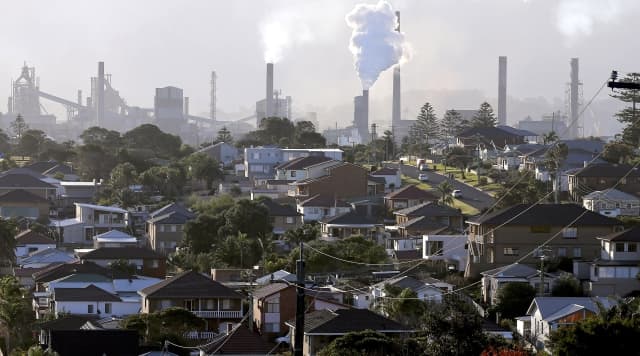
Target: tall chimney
[
  {"x": 212, "y": 99},
  {"x": 269, "y": 95},
  {"x": 80, "y": 97},
  {"x": 395, "y": 108},
  {"x": 100, "y": 95},
  {"x": 574, "y": 105},
  {"x": 502, "y": 90},
  {"x": 185, "y": 107},
  {"x": 365, "y": 114}
]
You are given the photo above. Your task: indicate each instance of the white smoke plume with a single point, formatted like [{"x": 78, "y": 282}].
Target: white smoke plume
[
  {"x": 576, "y": 18},
  {"x": 375, "y": 43},
  {"x": 281, "y": 31}
]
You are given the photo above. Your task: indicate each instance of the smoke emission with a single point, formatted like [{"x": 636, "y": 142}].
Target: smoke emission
[
  {"x": 579, "y": 17},
  {"x": 280, "y": 32},
  {"x": 375, "y": 43}
]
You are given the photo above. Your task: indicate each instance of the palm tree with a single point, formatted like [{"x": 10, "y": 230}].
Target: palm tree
[
  {"x": 445, "y": 188},
  {"x": 550, "y": 137}
]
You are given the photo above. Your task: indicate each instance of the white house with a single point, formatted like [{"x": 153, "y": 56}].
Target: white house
[
  {"x": 28, "y": 242},
  {"x": 493, "y": 280},
  {"x": 391, "y": 177},
  {"x": 448, "y": 248},
  {"x": 45, "y": 258},
  {"x": 114, "y": 238},
  {"x": 612, "y": 202},
  {"x": 90, "y": 220},
  {"x": 319, "y": 207},
  {"x": 92, "y": 300},
  {"x": 546, "y": 314},
  {"x": 430, "y": 290}
]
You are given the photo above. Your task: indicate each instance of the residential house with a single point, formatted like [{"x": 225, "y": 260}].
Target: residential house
[
  {"x": 475, "y": 137},
  {"x": 429, "y": 290},
  {"x": 220, "y": 306},
  {"x": 296, "y": 169},
  {"x": 407, "y": 197},
  {"x": 404, "y": 248},
  {"x": 275, "y": 303},
  {"x": 341, "y": 181},
  {"x": 165, "y": 227},
  {"x": 351, "y": 224},
  {"x": 260, "y": 162},
  {"x": 22, "y": 203},
  {"x": 222, "y": 152},
  {"x": 292, "y": 153},
  {"x": 510, "y": 157},
  {"x": 277, "y": 277},
  {"x": 283, "y": 217},
  {"x": 114, "y": 238},
  {"x": 147, "y": 262},
  {"x": 495, "y": 279},
  {"x": 547, "y": 314},
  {"x": 44, "y": 258},
  {"x": 391, "y": 177},
  {"x": 77, "y": 192},
  {"x": 27, "y": 181},
  {"x": 616, "y": 270},
  {"x": 60, "y": 270},
  {"x": 612, "y": 202},
  {"x": 375, "y": 185},
  {"x": 90, "y": 220},
  {"x": 53, "y": 169},
  {"x": 505, "y": 236},
  {"x": 602, "y": 176},
  {"x": 428, "y": 218},
  {"x": 323, "y": 326},
  {"x": 90, "y": 300},
  {"x": 319, "y": 207},
  {"x": 451, "y": 249},
  {"x": 28, "y": 242}
]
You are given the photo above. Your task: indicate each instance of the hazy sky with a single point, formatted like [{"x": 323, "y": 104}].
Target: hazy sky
[{"x": 455, "y": 45}]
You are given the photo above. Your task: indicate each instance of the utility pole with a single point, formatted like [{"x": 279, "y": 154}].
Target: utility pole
[
  {"x": 543, "y": 256},
  {"x": 299, "y": 336}
]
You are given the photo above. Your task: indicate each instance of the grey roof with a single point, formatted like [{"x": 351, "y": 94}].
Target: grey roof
[
  {"x": 429, "y": 209},
  {"x": 189, "y": 284},
  {"x": 22, "y": 196},
  {"x": 172, "y": 208},
  {"x": 611, "y": 170},
  {"x": 22, "y": 180},
  {"x": 610, "y": 194},
  {"x": 550, "y": 306},
  {"x": 630, "y": 235},
  {"x": 280, "y": 275},
  {"x": 423, "y": 222},
  {"x": 276, "y": 209},
  {"x": 89, "y": 293},
  {"x": 41, "y": 166},
  {"x": 343, "y": 321},
  {"x": 129, "y": 252},
  {"x": 324, "y": 201},
  {"x": 350, "y": 218},
  {"x": 61, "y": 270},
  {"x": 405, "y": 282},
  {"x": 270, "y": 289},
  {"x": 49, "y": 255},
  {"x": 545, "y": 214},
  {"x": 411, "y": 192},
  {"x": 514, "y": 131},
  {"x": 302, "y": 163},
  {"x": 29, "y": 237},
  {"x": 376, "y": 179},
  {"x": 385, "y": 171},
  {"x": 515, "y": 270},
  {"x": 66, "y": 322}
]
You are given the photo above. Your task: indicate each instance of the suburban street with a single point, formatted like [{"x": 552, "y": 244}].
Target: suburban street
[{"x": 470, "y": 195}]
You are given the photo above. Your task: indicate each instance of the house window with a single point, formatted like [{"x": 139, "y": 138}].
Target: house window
[
  {"x": 570, "y": 232},
  {"x": 511, "y": 251},
  {"x": 540, "y": 229},
  {"x": 107, "y": 308},
  {"x": 562, "y": 251},
  {"x": 165, "y": 303},
  {"x": 272, "y": 327},
  {"x": 434, "y": 248},
  {"x": 154, "y": 264},
  {"x": 619, "y": 246},
  {"x": 633, "y": 247},
  {"x": 90, "y": 309},
  {"x": 292, "y": 174},
  {"x": 173, "y": 228},
  {"x": 290, "y": 220},
  {"x": 161, "y": 228},
  {"x": 256, "y": 155},
  {"x": 273, "y": 307},
  {"x": 577, "y": 252},
  {"x": 226, "y": 304}
]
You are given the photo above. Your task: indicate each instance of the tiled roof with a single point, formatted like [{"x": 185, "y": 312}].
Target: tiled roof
[
  {"x": 106, "y": 253},
  {"x": 545, "y": 214},
  {"x": 61, "y": 270},
  {"x": 407, "y": 255},
  {"x": 411, "y": 192},
  {"x": 423, "y": 222},
  {"x": 49, "y": 255},
  {"x": 377, "y": 179},
  {"x": 276, "y": 209},
  {"x": 29, "y": 237},
  {"x": 515, "y": 270},
  {"x": 189, "y": 284},
  {"x": 22, "y": 196},
  {"x": 350, "y": 218},
  {"x": 324, "y": 201},
  {"x": 549, "y": 306},
  {"x": 342, "y": 321},
  {"x": 22, "y": 181},
  {"x": 630, "y": 235},
  {"x": 610, "y": 170},
  {"x": 89, "y": 293},
  {"x": 66, "y": 322},
  {"x": 171, "y": 208},
  {"x": 610, "y": 194},
  {"x": 386, "y": 171},
  {"x": 41, "y": 166},
  {"x": 241, "y": 342},
  {"x": 429, "y": 209},
  {"x": 270, "y": 289},
  {"x": 302, "y": 163}
]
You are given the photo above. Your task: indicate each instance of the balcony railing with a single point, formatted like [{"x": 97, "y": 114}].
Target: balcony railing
[
  {"x": 213, "y": 314},
  {"x": 199, "y": 335}
]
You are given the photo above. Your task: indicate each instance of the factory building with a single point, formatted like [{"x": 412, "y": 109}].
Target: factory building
[{"x": 168, "y": 108}]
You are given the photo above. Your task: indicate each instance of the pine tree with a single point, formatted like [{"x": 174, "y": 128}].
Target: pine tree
[
  {"x": 484, "y": 117},
  {"x": 450, "y": 124},
  {"x": 630, "y": 115},
  {"x": 224, "y": 135},
  {"x": 426, "y": 125}
]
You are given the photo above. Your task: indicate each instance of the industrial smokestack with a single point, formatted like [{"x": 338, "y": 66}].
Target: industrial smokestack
[
  {"x": 186, "y": 106},
  {"x": 269, "y": 95},
  {"x": 395, "y": 108},
  {"x": 212, "y": 99},
  {"x": 574, "y": 105},
  {"x": 100, "y": 95},
  {"x": 361, "y": 115},
  {"x": 502, "y": 90},
  {"x": 79, "y": 97}
]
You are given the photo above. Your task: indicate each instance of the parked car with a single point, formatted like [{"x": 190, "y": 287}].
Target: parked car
[
  {"x": 423, "y": 177},
  {"x": 423, "y": 167},
  {"x": 456, "y": 193}
]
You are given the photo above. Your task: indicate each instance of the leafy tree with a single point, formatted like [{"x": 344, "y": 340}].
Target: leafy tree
[
  {"x": 550, "y": 137},
  {"x": 484, "y": 117},
  {"x": 407, "y": 309},
  {"x": 305, "y": 233},
  {"x": 445, "y": 189},
  {"x": 109, "y": 140},
  {"x": 94, "y": 162},
  {"x": 514, "y": 299},
  {"x": 123, "y": 266},
  {"x": 274, "y": 129},
  {"x": 453, "y": 328},
  {"x": 450, "y": 124},
  {"x": 168, "y": 324},
  {"x": 32, "y": 143},
  {"x": 389, "y": 145},
  {"x": 201, "y": 166},
  {"x": 7, "y": 242},
  {"x": 358, "y": 343},
  {"x": 630, "y": 115},
  {"x": 249, "y": 217},
  {"x": 167, "y": 181},
  {"x": 224, "y": 135},
  {"x": 618, "y": 152},
  {"x": 458, "y": 157},
  {"x": 150, "y": 137},
  {"x": 554, "y": 158},
  {"x": 36, "y": 350},
  {"x": 15, "y": 313},
  {"x": 520, "y": 190},
  {"x": 354, "y": 248},
  {"x": 19, "y": 126},
  {"x": 566, "y": 286},
  {"x": 123, "y": 175}
]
